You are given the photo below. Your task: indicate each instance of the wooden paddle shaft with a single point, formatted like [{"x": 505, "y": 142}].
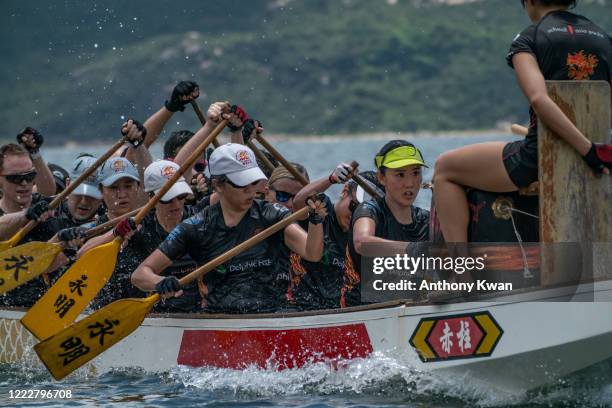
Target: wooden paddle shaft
[
  {"x": 202, "y": 118},
  {"x": 221, "y": 259},
  {"x": 298, "y": 176},
  {"x": 261, "y": 156},
  {"x": 179, "y": 173},
  {"x": 363, "y": 183},
  {"x": 74, "y": 184}
]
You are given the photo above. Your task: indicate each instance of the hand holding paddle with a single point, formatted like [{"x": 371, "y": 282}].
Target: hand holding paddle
[
  {"x": 363, "y": 183},
  {"x": 74, "y": 346},
  {"x": 202, "y": 118}
]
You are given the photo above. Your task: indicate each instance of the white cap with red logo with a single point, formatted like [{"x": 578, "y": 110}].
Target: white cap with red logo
[
  {"x": 158, "y": 173},
  {"x": 237, "y": 162}
]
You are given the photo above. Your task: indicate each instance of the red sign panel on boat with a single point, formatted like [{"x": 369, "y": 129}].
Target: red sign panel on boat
[
  {"x": 456, "y": 336},
  {"x": 278, "y": 349}
]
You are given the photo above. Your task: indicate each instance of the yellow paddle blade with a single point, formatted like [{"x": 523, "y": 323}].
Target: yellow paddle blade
[
  {"x": 71, "y": 294},
  {"x": 23, "y": 263},
  {"x": 76, "y": 345},
  {"x": 4, "y": 245}
]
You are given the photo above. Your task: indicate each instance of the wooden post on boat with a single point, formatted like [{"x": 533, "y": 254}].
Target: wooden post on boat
[{"x": 574, "y": 204}]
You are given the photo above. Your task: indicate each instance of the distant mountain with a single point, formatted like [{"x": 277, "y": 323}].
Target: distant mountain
[{"x": 75, "y": 69}]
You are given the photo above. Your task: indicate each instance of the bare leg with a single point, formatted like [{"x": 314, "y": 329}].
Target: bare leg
[{"x": 478, "y": 166}]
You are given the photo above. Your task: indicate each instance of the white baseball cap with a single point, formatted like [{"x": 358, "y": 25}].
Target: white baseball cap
[
  {"x": 115, "y": 169},
  {"x": 89, "y": 187},
  {"x": 157, "y": 174},
  {"x": 237, "y": 162}
]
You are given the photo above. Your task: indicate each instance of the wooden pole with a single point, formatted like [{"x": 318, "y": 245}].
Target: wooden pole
[{"x": 574, "y": 204}]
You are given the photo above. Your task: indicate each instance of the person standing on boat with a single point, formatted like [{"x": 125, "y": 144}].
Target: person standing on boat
[
  {"x": 246, "y": 283},
  {"x": 392, "y": 218},
  {"x": 318, "y": 284},
  {"x": 559, "y": 45}
]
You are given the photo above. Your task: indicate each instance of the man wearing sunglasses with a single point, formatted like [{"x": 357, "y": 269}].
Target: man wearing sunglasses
[
  {"x": 19, "y": 203},
  {"x": 168, "y": 213}
]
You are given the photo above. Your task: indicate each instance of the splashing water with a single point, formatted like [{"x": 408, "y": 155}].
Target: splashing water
[{"x": 383, "y": 378}]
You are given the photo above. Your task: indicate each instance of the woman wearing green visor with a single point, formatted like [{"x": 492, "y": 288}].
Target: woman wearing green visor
[{"x": 392, "y": 218}]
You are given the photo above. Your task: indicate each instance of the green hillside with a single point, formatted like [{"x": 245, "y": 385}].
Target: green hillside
[{"x": 74, "y": 68}]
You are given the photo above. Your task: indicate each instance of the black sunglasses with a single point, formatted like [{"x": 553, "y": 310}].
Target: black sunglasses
[
  {"x": 20, "y": 178},
  {"x": 180, "y": 197},
  {"x": 283, "y": 196}
]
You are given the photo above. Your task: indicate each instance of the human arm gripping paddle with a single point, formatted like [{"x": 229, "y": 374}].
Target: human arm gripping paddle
[
  {"x": 60, "y": 197},
  {"x": 20, "y": 264},
  {"x": 78, "y": 286},
  {"x": 74, "y": 346}
]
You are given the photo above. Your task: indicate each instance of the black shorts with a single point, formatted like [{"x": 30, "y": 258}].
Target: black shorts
[{"x": 521, "y": 162}]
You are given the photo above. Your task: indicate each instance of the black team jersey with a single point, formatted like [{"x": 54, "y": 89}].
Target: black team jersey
[
  {"x": 387, "y": 227},
  {"x": 254, "y": 281},
  {"x": 320, "y": 282},
  {"x": 567, "y": 46}
]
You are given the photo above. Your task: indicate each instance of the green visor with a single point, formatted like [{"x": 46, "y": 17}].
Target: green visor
[{"x": 400, "y": 157}]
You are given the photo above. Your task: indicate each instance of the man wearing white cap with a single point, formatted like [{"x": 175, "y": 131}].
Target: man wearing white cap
[
  {"x": 254, "y": 281},
  {"x": 155, "y": 227}
]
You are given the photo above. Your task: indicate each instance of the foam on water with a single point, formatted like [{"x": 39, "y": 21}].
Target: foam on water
[{"x": 382, "y": 378}]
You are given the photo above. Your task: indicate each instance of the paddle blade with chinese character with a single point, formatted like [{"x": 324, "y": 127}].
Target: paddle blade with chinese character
[
  {"x": 71, "y": 294},
  {"x": 87, "y": 338},
  {"x": 25, "y": 262}
]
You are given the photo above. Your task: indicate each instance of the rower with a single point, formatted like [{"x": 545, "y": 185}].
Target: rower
[
  {"x": 20, "y": 171},
  {"x": 393, "y": 218},
  {"x": 119, "y": 183},
  {"x": 249, "y": 282},
  {"x": 319, "y": 284},
  {"x": 283, "y": 186},
  {"x": 154, "y": 229}
]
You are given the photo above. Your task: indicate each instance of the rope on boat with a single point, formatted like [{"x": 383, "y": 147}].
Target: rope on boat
[{"x": 526, "y": 272}]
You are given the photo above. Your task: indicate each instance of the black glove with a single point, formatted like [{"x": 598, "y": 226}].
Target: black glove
[
  {"x": 141, "y": 129},
  {"x": 248, "y": 127},
  {"x": 240, "y": 114},
  {"x": 38, "y": 209},
  {"x": 167, "y": 285},
  {"x": 183, "y": 89},
  {"x": 599, "y": 157},
  {"x": 68, "y": 234},
  {"x": 124, "y": 227},
  {"x": 313, "y": 217},
  {"x": 38, "y": 139}
]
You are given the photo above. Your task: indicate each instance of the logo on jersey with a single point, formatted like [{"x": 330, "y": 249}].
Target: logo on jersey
[
  {"x": 580, "y": 66},
  {"x": 168, "y": 172},
  {"x": 570, "y": 29},
  {"x": 243, "y": 157}
]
